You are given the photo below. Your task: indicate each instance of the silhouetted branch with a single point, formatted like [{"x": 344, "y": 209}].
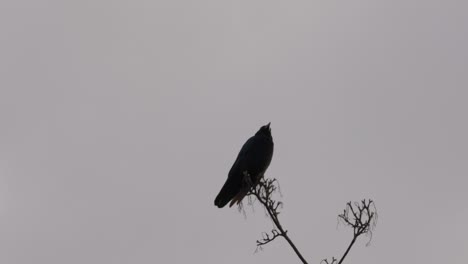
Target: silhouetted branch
[
  {"x": 266, "y": 238},
  {"x": 325, "y": 261},
  {"x": 362, "y": 217},
  {"x": 263, "y": 191}
]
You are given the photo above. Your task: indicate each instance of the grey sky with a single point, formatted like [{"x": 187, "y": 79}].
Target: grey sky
[{"x": 120, "y": 120}]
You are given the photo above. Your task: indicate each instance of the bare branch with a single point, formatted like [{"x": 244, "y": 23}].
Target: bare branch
[
  {"x": 266, "y": 238},
  {"x": 332, "y": 261},
  {"x": 263, "y": 192},
  {"x": 361, "y": 217},
  {"x": 363, "y": 220}
]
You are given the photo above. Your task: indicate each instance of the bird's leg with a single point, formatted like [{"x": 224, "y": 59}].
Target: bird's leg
[{"x": 247, "y": 180}]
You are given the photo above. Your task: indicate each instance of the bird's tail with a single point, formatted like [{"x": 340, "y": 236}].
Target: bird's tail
[
  {"x": 238, "y": 198},
  {"x": 228, "y": 192}
]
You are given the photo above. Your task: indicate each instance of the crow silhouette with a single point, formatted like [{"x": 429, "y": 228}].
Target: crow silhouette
[{"x": 253, "y": 160}]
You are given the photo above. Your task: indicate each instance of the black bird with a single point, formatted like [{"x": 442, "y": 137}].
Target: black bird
[{"x": 253, "y": 159}]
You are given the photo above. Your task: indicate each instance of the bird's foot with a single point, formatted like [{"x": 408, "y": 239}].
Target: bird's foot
[{"x": 247, "y": 180}]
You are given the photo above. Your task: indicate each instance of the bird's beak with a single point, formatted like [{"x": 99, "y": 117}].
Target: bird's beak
[{"x": 268, "y": 125}]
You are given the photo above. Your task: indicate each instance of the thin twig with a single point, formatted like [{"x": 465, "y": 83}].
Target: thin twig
[
  {"x": 362, "y": 217},
  {"x": 263, "y": 192}
]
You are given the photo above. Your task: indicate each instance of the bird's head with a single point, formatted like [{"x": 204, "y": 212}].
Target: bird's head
[{"x": 265, "y": 130}]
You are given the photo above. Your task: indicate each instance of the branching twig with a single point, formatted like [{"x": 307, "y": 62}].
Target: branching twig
[
  {"x": 325, "y": 261},
  {"x": 263, "y": 191},
  {"x": 362, "y": 217},
  {"x": 266, "y": 238}
]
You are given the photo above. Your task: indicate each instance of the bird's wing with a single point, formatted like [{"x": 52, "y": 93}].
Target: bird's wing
[
  {"x": 233, "y": 184},
  {"x": 242, "y": 161}
]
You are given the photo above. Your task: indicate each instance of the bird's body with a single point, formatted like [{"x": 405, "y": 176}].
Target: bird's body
[{"x": 253, "y": 160}]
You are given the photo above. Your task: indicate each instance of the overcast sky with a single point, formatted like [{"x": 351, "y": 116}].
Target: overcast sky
[{"x": 121, "y": 119}]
